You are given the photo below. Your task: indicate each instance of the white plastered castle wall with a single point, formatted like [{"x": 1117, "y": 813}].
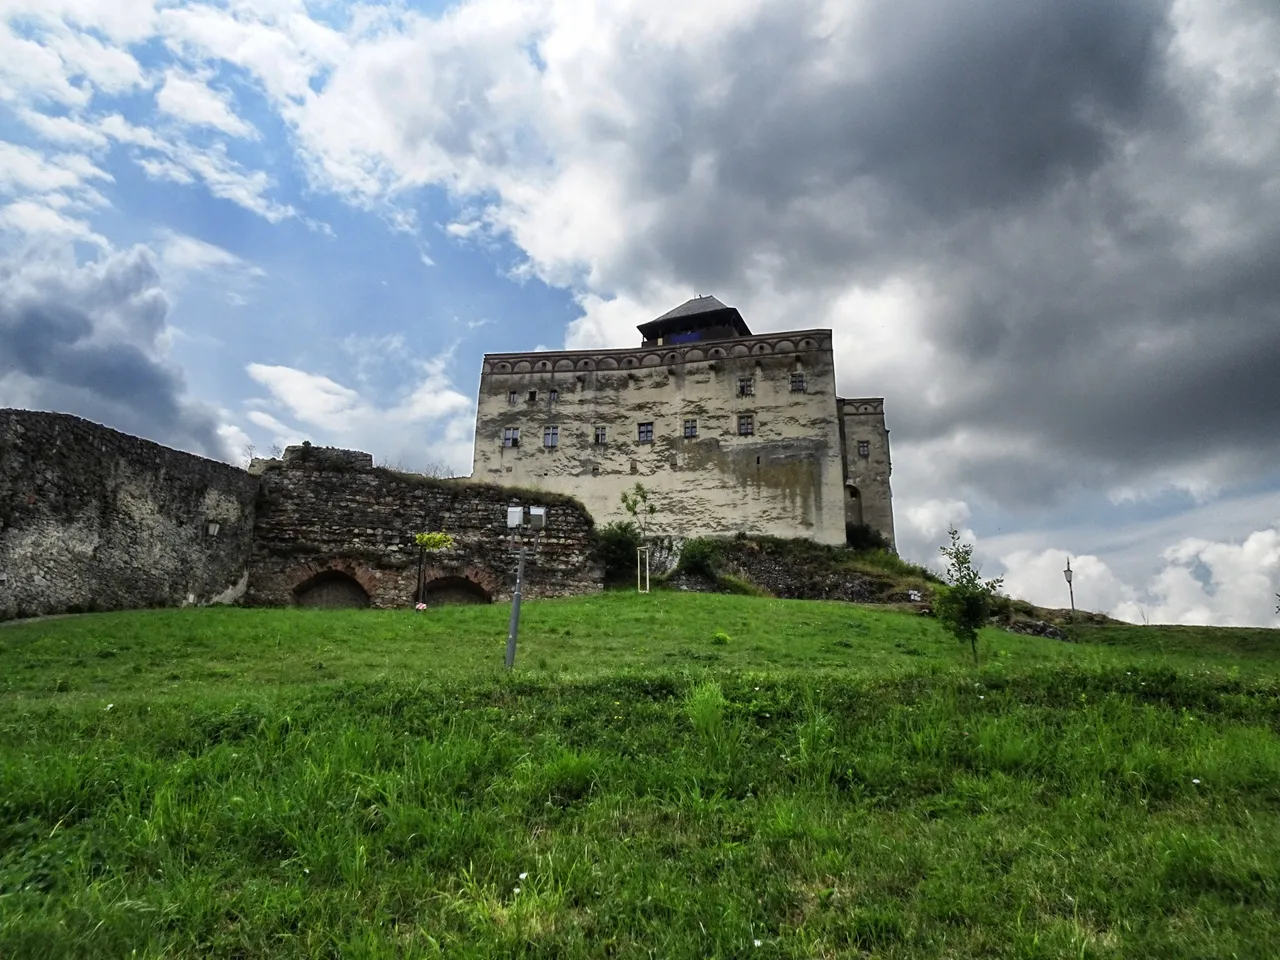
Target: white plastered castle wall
[{"x": 786, "y": 479}]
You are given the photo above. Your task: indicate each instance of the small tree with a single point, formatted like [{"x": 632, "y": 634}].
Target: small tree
[
  {"x": 636, "y": 502},
  {"x": 964, "y": 606},
  {"x": 426, "y": 542}
]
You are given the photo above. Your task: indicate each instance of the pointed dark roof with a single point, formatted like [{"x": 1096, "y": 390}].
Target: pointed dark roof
[
  {"x": 707, "y": 304},
  {"x": 699, "y": 312}
]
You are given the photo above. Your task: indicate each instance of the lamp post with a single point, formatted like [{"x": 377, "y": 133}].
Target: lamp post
[
  {"x": 515, "y": 521},
  {"x": 1071, "y": 590}
]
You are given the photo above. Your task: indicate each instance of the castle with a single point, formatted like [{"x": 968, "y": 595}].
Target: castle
[
  {"x": 729, "y": 431},
  {"x": 732, "y": 432}
]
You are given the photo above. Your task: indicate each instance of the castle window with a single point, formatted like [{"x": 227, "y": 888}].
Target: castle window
[
  {"x": 864, "y": 448},
  {"x": 746, "y": 425},
  {"x": 511, "y": 397},
  {"x": 746, "y": 387},
  {"x": 600, "y": 436},
  {"x": 595, "y": 469},
  {"x": 797, "y": 382},
  {"x": 645, "y": 432},
  {"x": 511, "y": 437},
  {"x": 555, "y": 395},
  {"x": 533, "y": 395},
  {"x": 691, "y": 428},
  {"x": 551, "y": 436}
]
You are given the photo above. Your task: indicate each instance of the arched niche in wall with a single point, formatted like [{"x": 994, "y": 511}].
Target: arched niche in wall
[
  {"x": 852, "y": 504},
  {"x": 452, "y": 589},
  {"x": 331, "y": 588}
]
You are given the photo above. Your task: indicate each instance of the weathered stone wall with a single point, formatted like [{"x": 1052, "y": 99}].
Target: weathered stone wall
[
  {"x": 324, "y": 524},
  {"x": 792, "y": 577},
  {"x": 785, "y": 478},
  {"x": 868, "y": 494},
  {"x": 91, "y": 518}
]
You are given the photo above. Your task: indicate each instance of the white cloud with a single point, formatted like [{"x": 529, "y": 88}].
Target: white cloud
[
  {"x": 186, "y": 254},
  {"x": 429, "y": 422},
  {"x": 1198, "y": 582},
  {"x": 24, "y": 170},
  {"x": 40, "y": 221},
  {"x": 62, "y": 130},
  {"x": 188, "y": 98}
]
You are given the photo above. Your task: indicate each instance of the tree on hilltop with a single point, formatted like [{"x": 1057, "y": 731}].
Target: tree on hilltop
[{"x": 964, "y": 605}]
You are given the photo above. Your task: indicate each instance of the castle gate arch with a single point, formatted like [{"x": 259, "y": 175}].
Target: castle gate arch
[{"x": 332, "y": 589}]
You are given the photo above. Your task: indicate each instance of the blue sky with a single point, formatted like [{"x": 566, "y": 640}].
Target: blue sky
[{"x": 1045, "y": 233}]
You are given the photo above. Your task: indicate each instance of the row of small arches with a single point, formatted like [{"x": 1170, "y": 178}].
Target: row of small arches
[
  {"x": 633, "y": 361},
  {"x": 334, "y": 588}
]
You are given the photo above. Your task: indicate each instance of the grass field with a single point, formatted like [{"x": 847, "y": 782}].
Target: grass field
[{"x": 829, "y": 781}]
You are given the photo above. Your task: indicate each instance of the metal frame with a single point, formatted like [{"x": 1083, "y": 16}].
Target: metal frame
[{"x": 645, "y": 552}]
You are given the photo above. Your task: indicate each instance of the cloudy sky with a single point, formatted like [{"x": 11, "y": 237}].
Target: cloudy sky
[{"x": 1048, "y": 233}]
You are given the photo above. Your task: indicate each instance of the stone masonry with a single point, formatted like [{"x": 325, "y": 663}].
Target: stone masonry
[
  {"x": 324, "y": 524},
  {"x": 93, "y": 519}
]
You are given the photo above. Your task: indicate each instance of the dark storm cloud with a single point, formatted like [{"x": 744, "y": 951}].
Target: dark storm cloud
[
  {"x": 1040, "y": 167},
  {"x": 82, "y": 340}
]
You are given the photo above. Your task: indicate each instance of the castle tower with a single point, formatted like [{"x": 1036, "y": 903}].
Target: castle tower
[{"x": 865, "y": 438}]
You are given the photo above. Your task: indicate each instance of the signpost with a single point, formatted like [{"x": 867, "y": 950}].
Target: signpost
[{"x": 515, "y": 522}]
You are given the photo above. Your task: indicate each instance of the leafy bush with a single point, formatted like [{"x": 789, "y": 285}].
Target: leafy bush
[
  {"x": 861, "y": 536},
  {"x": 616, "y": 545},
  {"x": 700, "y": 555},
  {"x": 720, "y": 639}
]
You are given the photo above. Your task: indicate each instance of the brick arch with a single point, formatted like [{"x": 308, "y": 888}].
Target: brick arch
[
  {"x": 331, "y": 587},
  {"x": 487, "y": 581},
  {"x": 451, "y": 590}
]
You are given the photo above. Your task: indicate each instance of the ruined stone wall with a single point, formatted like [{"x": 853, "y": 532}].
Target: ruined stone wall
[
  {"x": 785, "y": 479},
  {"x": 868, "y": 495},
  {"x": 91, "y": 518},
  {"x": 325, "y": 525}
]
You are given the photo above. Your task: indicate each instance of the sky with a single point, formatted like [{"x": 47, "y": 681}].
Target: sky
[{"x": 1047, "y": 233}]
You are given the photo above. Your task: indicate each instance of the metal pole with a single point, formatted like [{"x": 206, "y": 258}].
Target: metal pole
[
  {"x": 1072, "y": 590},
  {"x": 515, "y": 611}
]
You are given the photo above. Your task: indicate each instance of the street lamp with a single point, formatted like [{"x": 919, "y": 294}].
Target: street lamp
[
  {"x": 1070, "y": 589},
  {"x": 515, "y": 521}
]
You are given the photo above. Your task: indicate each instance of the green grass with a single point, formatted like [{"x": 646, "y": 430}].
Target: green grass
[{"x": 828, "y": 780}]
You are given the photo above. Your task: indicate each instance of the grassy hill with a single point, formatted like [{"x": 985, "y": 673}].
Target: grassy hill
[{"x": 822, "y": 780}]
